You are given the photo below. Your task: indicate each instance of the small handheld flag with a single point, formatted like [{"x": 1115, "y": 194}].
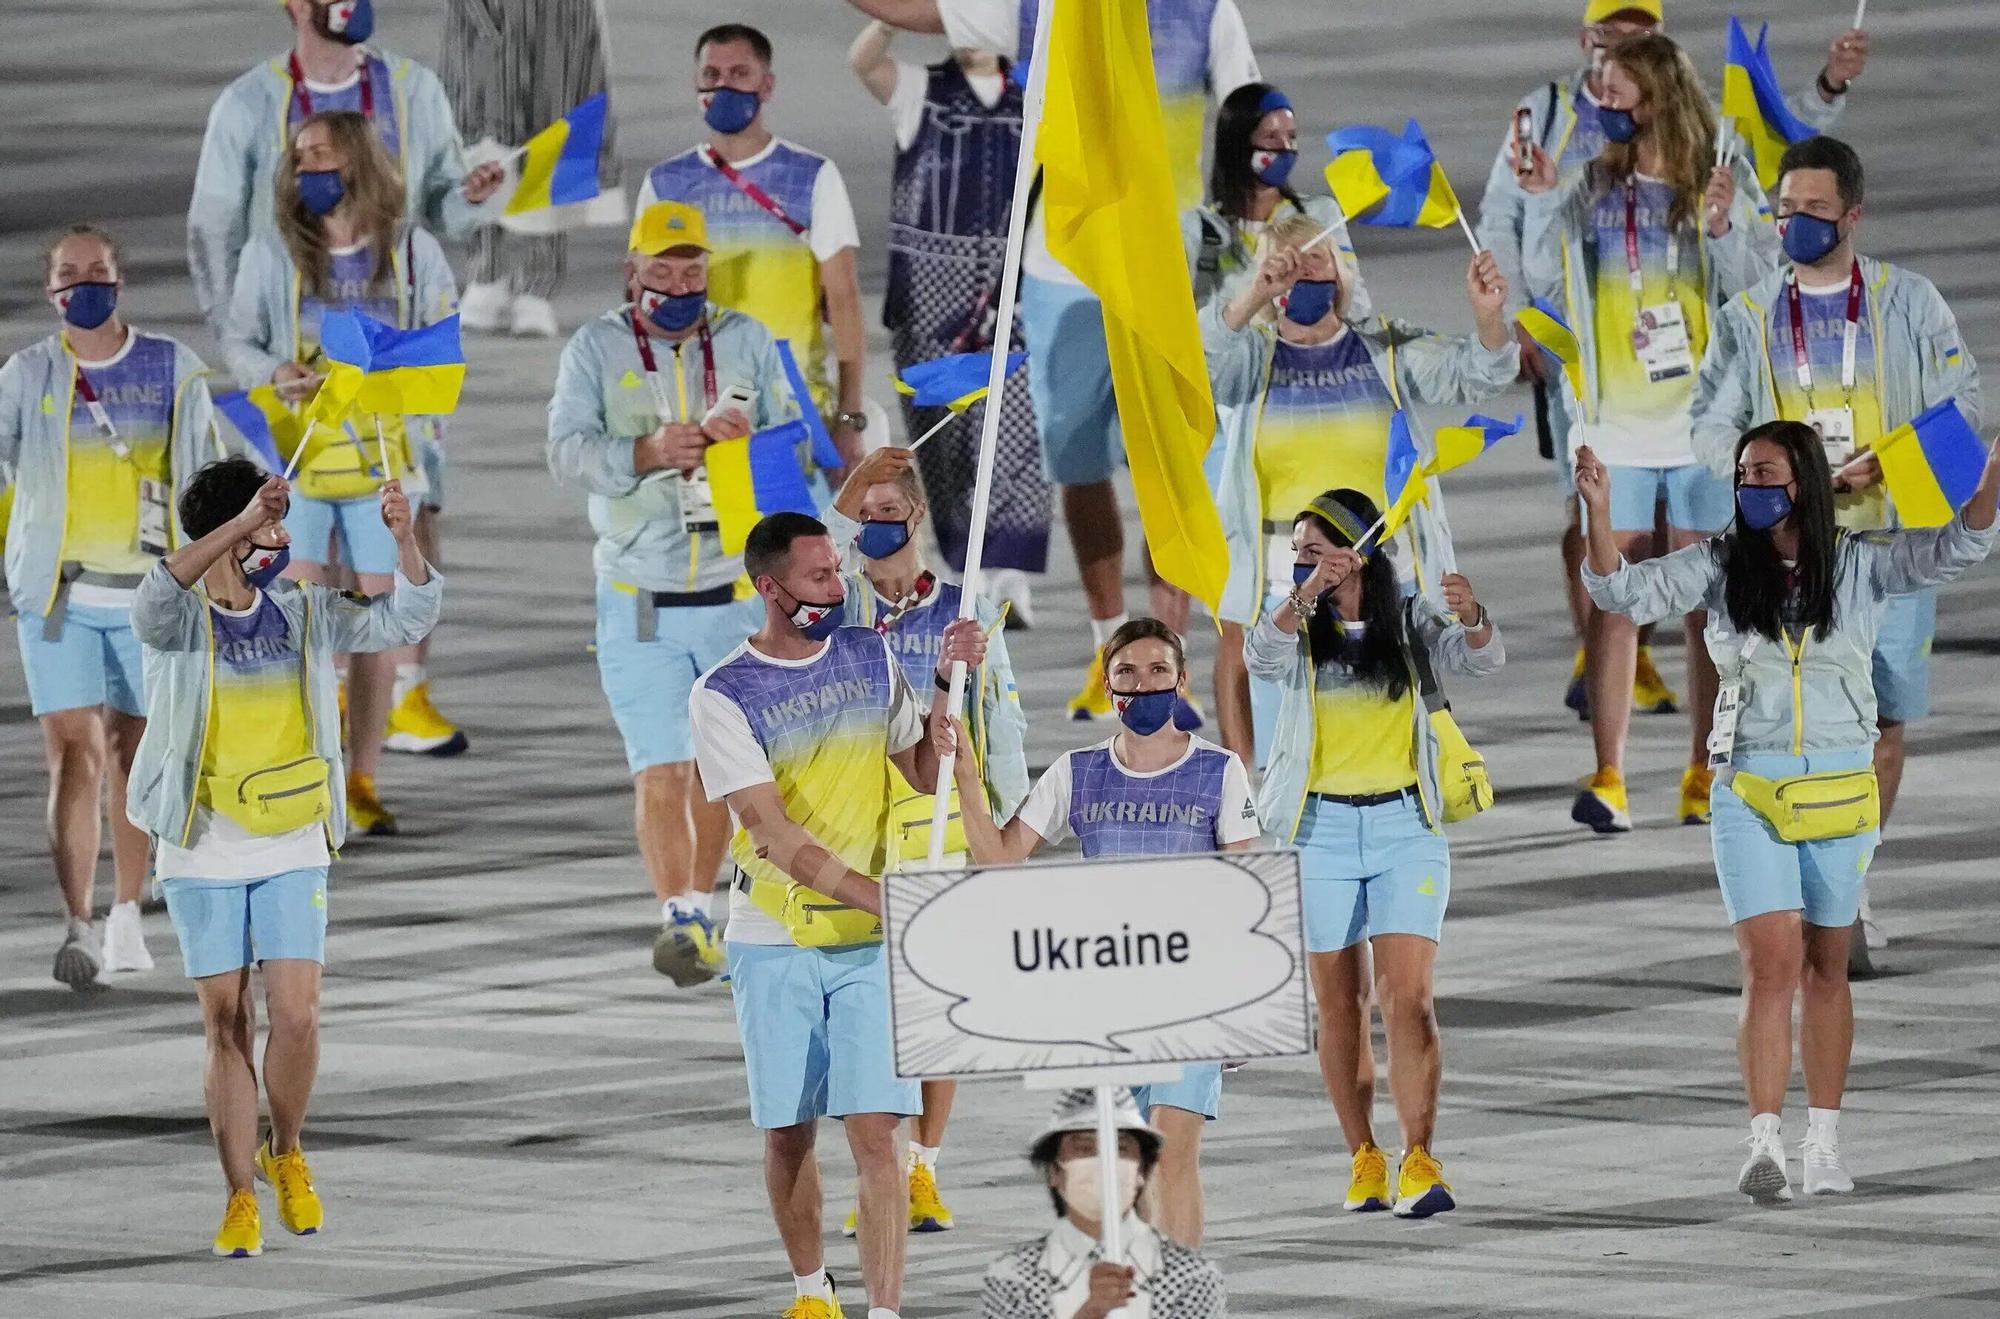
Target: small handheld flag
[
  {"x": 391, "y": 370},
  {"x": 559, "y": 164},
  {"x": 824, "y": 454},
  {"x": 1754, "y": 101},
  {"x": 758, "y": 475},
  {"x": 1932, "y": 465},
  {"x": 1381, "y": 179},
  {"x": 1551, "y": 333},
  {"x": 955, "y": 382},
  {"x": 268, "y": 427},
  {"x": 1402, "y": 483},
  {"x": 1458, "y": 445}
]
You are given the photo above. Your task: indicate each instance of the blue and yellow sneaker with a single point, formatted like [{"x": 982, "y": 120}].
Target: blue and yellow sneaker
[
  {"x": 1577, "y": 695},
  {"x": 1696, "y": 782},
  {"x": 1602, "y": 804},
  {"x": 812, "y": 1307},
  {"x": 1091, "y": 700},
  {"x": 365, "y": 812},
  {"x": 416, "y": 727},
  {"x": 299, "y": 1209},
  {"x": 1650, "y": 693},
  {"x": 927, "y": 1211},
  {"x": 1421, "y": 1189},
  {"x": 241, "y": 1235},
  {"x": 1368, "y": 1184},
  {"x": 688, "y": 951}
]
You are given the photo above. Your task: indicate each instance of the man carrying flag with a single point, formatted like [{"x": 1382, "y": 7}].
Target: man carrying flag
[
  {"x": 640, "y": 394},
  {"x": 1855, "y": 348}
]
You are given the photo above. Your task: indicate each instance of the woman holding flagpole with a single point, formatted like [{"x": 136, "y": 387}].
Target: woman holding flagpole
[
  {"x": 341, "y": 244},
  {"x": 1792, "y": 606},
  {"x": 1354, "y": 783}
]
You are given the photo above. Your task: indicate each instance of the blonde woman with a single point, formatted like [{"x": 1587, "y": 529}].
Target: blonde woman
[{"x": 341, "y": 244}]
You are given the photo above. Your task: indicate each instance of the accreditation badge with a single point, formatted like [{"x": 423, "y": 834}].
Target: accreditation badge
[
  {"x": 153, "y": 516},
  {"x": 1836, "y": 434},
  {"x": 1660, "y": 341}
]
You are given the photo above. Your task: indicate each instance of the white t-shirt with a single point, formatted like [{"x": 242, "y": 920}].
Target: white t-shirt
[
  {"x": 833, "y": 228},
  {"x": 731, "y": 759},
  {"x": 1046, "y": 810},
  {"x": 906, "y": 102}
]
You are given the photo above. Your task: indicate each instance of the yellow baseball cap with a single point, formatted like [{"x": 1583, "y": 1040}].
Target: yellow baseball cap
[
  {"x": 1596, "y": 11},
  {"x": 666, "y": 225}
]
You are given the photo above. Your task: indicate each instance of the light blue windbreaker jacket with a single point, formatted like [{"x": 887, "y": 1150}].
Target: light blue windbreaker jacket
[
  {"x": 1920, "y": 359},
  {"x": 602, "y": 403},
  {"x": 1824, "y": 699},
  {"x": 1420, "y": 367},
  {"x": 174, "y": 624},
  {"x": 1284, "y": 660},
  {"x": 35, "y": 406},
  {"x": 248, "y": 133}
]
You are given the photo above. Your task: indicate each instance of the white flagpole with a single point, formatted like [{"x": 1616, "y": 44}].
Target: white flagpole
[
  {"x": 1110, "y": 1217},
  {"x": 1860, "y": 13},
  {"x": 382, "y": 442},
  {"x": 943, "y": 422},
  {"x": 1470, "y": 237},
  {"x": 996, "y": 384}
]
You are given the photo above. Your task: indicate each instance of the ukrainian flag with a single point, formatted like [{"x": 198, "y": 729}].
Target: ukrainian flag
[
  {"x": 751, "y": 478},
  {"x": 559, "y": 164},
  {"x": 823, "y": 451},
  {"x": 1381, "y": 179},
  {"x": 1751, "y": 97},
  {"x": 1458, "y": 445},
  {"x": 1402, "y": 478},
  {"x": 382, "y": 369},
  {"x": 1551, "y": 333},
  {"x": 956, "y": 382},
  {"x": 1932, "y": 465},
  {"x": 268, "y": 426}
]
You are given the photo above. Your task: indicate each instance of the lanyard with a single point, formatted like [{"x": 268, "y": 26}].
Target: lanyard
[
  {"x": 304, "y": 97},
  {"x": 98, "y": 414},
  {"x": 646, "y": 359},
  {"x": 1799, "y": 360},
  {"x": 752, "y": 191},
  {"x": 1632, "y": 265},
  {"x": 921, "y": 592}
]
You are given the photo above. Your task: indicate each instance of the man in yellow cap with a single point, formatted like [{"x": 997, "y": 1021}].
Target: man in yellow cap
[
  {"x": 1561, "y": 117},
  {"x": 641, "y": 393}
]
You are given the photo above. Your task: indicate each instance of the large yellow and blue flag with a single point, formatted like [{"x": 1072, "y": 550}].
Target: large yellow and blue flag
[
  {"x": 956, "y": 382},
  {"x": 1458, "y": 445},
  {"x": 267, "y": 424},
  {"x": 373, "y": 367},
  {"x": 1379, "y": 178},
  {"x": 1932, "y": 465},
  {"x": 1108, "y": 201},
  {"x": 559, "y": 164},
  {"x": 1551, "y": 333},
  {"x": 1754, "y": 101},
  {"x": 751, "y": 478}
]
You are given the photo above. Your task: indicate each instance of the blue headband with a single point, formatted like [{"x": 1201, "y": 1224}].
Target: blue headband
[
  {"x": 1273, "y": 100},
  {"x": 1340, "y": 516}
]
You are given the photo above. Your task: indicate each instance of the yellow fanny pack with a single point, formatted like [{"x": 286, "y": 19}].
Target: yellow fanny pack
[
  {"x": 1808, "y": 808},
  {"x": 275, "y": 800},
  {"x": 345, "y": 462},
  {"x": 1462, "y": 778},
  {"x": 816, "y": 921}
]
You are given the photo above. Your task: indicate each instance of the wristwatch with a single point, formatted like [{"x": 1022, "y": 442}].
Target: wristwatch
[{"x": 854, "y": 421}]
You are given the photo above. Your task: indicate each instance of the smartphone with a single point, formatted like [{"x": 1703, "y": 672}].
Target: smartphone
[
  {"x": 736, "y": 396},
  {"x": 1524, "y": 141}
]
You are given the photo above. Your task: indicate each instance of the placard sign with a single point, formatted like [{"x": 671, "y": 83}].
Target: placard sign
[{"x": 1079, "y": 964}]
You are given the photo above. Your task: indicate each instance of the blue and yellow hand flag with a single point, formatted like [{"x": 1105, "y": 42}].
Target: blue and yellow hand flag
[
  {"x": 956, "y": 382},
  {"x": 1402, "y": 479},
  {"x": 1932, "y": 465},
  {"x": 1752, "y": 98},
  {"x": 1382, "y": 179},
  {"x": 1458, "y": 445},
  {"x": 269, "y": 427},
  {"x": 751, "y": 478},
  {"x": 1551, "y": 333},
  {"x": 559, "y": 164},
  {"x": 377, "y": 368}
]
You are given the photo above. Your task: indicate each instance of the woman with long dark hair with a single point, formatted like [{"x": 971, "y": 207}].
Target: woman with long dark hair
[
  {"x": 1793, "y": 605},
  {"x": 1354, "y": 783}
]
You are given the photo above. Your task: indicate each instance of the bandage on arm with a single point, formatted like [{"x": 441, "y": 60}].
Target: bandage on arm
[{"x": 785, "y": 843}]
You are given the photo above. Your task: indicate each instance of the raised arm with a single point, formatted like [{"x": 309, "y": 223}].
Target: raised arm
[
  {"x": 990, "y": 843},
  {"x": 1905, "y": 561},
  {"x": 964, "y": 641},
  {"x": 1644, "y": 592},
  {"x": 909, "y": 15},
  {"x": 870, "y": 61}
]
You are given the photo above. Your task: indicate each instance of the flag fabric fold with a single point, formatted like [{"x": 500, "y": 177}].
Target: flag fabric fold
[
  {"x": 1402, "y": 478},
  {"x": 751, "y": 478},
  {"x": 1108, "y": 203},
  {"x": 1381, "y": 179},
  {"x": 1932, "y": 465},
  {"x": 1458, "y": 445},
  {"x": 824, "y": 453},
  {"x": 1551, "y": 333},
  {"x": 373, "y": 367},
  {"x": 1755, "y": 102},
  {"x": 269, "y": 427},
  {"x": 955, "y": 382},
  {"x": 559, "y": 164}
]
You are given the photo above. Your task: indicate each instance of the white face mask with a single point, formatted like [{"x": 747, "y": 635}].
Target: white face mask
[{"x": 1080, "y": 1185}]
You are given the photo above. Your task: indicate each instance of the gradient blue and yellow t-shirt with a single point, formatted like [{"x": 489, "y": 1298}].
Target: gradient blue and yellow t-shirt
[
  {"x": 1825, "y": 316},
  {"x": 1325, "y": 423},
  {"x": 380, "y": 105},
  {"x": 257, "y": 705},
  {"x": 1642, "y": 422},
  {"x": 136, "y": 388}
]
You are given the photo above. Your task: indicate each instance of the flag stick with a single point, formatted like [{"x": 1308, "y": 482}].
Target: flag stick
[
  {"x": 1860, "y": 12},
  {"x": 943, "y": 422},
  {"x": 382, "y": 442},
  {"x": 1340, "y": 219},
  {"x": 996, "y": 384},
  {"x": 1470, "y": 237},
  {"x": 1110, "y": 1220},
  {"x": 305, "y": 437}
]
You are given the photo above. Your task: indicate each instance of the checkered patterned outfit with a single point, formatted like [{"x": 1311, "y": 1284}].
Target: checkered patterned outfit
[
  {"x": 1173, "y": 1282},
  {"x": 1115, "y": 814}
]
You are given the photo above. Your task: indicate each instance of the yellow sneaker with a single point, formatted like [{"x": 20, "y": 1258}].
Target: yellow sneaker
[
  {"x": 416, "y": 727},
  {"x": 1368, "y": 1185},
  {"x": 299, "y": 1209},
  {"x": 1602, "y": 805},
  {"x": 1577, "y": 695},
  {"x": 852, "y": 1223},
  {"x": 812, "y": 1307},
  {"x": 927, "y": 1212},
  {"x": 1421, "y": 1189},
  {"x": 1650, "y": 692},
  {"x": 688, "y": 951},
  {"x": 365, "y": 812},
  {"x": 1696, "y": 780},
  {"x": 242, "y": 1232},
  {"x": 1091, "y": 700}
]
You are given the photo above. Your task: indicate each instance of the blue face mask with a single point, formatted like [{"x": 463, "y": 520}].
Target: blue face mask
[
  {"x": 817, "y": 622},
  {"x": 1618, "y": 125},
  {"x": 1310, "y": 300},
  {"x": 1762, "y": 507},
  {"x": 1273, "y": 168},
  {"x": 1301, "y": 571},
  {"x": 673, "y": 312},
  {"x": 727, "y": 110},
  {"x": 1809, "y": 239},
  {"x": 263, "y": 565},
  {"x": 320, "y": 190},
  {"x": 1145, "y": 712},
  {"x": 87, "y": 305},
  {"x": 881, "y": 539},
  {"x": 350, "y": 21}
]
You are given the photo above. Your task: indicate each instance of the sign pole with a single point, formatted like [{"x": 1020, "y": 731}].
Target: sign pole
[{"x": 1111, "y": 1221}]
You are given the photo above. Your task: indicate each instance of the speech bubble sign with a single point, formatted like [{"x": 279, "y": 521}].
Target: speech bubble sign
[{"x": 1078, "y": 964}]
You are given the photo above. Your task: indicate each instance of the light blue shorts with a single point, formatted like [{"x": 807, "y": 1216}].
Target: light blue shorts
[
  {"x": 1370, "y": 870},
  {"x": 1903, "y": 656},
  {"x": 1075, "y": 410},
  {"x": 648, "y": 682},
  {"x": 1760, "y": 874},
  {"x": 365, "y": 542},
  {"x": 1198, "y": 1091},
  {"x": 224, "y": 925},
  {"x": 815, "y": 1029},
  {"x": 430, "y": 456},
  {"x": 96, "y": 661},
  {"x": 1697, "y": 499}
]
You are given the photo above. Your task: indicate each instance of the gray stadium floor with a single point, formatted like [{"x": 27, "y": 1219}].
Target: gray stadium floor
[{"x": 516, "y": 1116}]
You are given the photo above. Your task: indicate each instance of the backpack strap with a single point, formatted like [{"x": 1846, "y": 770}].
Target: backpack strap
[
  {"x": 1420, "y": 660},
  {"x": 1549, "y": 114}
]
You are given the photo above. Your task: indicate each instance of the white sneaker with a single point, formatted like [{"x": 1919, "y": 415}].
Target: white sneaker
[
  {"x": 1011, "y": 586},
  {"x": 81, "y": 955},
  {"x": 534, "y": 318},
  {"x": 483, "y": 307},
  {"x": 125, "y": 940},
  {"x": 1825, "y": 1174},
  {"x": 1763, "y": 1177},
  {"x": 1877, "y": 938}
]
